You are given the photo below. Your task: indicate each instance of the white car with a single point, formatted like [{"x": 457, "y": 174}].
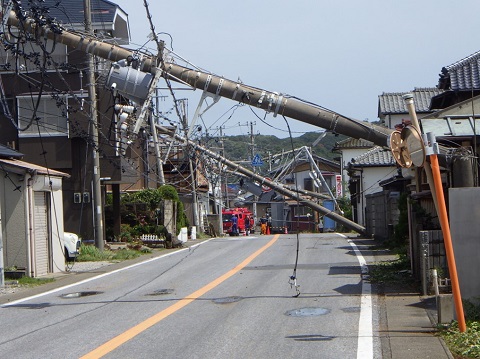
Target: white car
[{"x": 71, "y": 243}]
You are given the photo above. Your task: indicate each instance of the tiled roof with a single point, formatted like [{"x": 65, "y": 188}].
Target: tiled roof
[
  {"x": 376, "y": 157},
  {"x": 461, "y": 75},
  {"x": 30, "y": 166},
  {"x": 352, "y": 143},
  {"x": 71, "y": 11},
  {"x": 391, "y": 103}
]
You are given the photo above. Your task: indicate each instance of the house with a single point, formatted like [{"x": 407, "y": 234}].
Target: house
[
  {"x": 31, "y": 212},
  {"x": 300, "y": 170},
  {"x": 47, "y": 111},
  {"x": 452, "y": 117},
  {"x": 392, "y": 110},
  {"x": 349, "y": 149},
  {"x": 365, "y": 166},
  {"x": 456, "y": 124}
]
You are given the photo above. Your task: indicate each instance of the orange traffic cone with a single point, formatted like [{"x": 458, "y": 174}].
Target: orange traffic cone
[{"x": 268, "y": 229}]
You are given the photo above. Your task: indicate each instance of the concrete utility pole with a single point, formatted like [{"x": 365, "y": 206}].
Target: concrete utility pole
[
  {"x": 269, "y": 101},
  {"x": 252, "y": 149},
  {"x": 153, "y": 128},
  {"x": 92, "y": 94},
  {"x": 264, "y": 181},
  {"x": 220, "y": 183},
  {"x": 273, "y": 102},
  {"x": 193, "y": 176}
]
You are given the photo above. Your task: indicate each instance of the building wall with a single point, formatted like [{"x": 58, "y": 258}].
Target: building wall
[
  {"x": 15, "y": 249},
  {"x": 370, "y": 178},
  {"x": 382, "y": 213},
  {"x": 347, "y": 155},
  {"x": 464, "y": 211}
]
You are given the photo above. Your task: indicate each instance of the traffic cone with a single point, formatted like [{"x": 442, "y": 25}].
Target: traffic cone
[
  {"x": 285, "y": 230},
  {"x": 268, "y": 229}
]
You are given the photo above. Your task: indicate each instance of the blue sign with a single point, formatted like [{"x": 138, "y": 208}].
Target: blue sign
[{"x": 257, "y": 160}]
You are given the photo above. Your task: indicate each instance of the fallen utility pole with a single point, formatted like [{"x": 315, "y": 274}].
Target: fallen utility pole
[
  {"x": 273, "y": 102},
  {"x": 276, "y": 103},
  {"x": 264, "y": 181}
]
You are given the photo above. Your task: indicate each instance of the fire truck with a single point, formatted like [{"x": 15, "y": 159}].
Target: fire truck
[{"x": 243, "y": 215}]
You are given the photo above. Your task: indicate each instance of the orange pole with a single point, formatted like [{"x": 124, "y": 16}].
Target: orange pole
[{"x": 452, "y": 267}]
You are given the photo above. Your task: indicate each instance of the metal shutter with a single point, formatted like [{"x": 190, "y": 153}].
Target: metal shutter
[{"x": 41, "y": 233}]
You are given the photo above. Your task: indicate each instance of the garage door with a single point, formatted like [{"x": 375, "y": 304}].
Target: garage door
[{"x": 41, "y": 234}]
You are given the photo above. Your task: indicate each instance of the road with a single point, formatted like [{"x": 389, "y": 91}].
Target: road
[{"x": 224, "y": 298}]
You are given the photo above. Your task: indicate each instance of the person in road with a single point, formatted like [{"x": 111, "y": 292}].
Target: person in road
[
  {"x": 269, "y": 223},
  {"x": 263, "y": 225},
  {"x": 252, "y": 224},
  {"x": 247, "y": 226},
  {"x": 234, "y": 224},
  {"x": 320, "y": 224}
]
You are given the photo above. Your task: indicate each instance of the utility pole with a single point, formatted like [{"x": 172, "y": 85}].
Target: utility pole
[
  {"x": 153, "y": 129},
  {"x": 220, "y": 198},
  {"x": 252, "y": 149},
  {"x": 190, "y": 165},
  {"x": 92, "y": 94}
]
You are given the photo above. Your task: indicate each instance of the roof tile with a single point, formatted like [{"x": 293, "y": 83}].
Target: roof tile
[
  {"x": 353, "y": 143},
  {"x": 391, "y": 103},
  {"x": 376, "y": 157},
  {"x": 463, "y": 74}
]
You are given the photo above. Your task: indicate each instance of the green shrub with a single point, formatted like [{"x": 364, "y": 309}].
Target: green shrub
[
  {"x": 124, "y": 254},
  {"x": 92, "y": 254}
]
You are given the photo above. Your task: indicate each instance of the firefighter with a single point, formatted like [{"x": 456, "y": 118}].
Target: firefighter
[
  {"x": 234, "y": 224},
  {"x": 263, "y": 225}
]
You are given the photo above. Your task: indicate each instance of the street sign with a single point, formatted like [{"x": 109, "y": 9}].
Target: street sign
[
  {"x": 257, "y": 160},
  {"x": 338, "y": 181}
]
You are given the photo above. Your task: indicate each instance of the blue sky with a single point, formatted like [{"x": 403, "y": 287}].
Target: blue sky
[{"x": 340, "y": 55}]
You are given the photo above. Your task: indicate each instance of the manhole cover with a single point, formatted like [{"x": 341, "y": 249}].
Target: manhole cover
[
  {"x": 351, "y": 310},
  {"x": 307, "y": 312},
  {"x": 227, "y": 300},
  {"x": 162, "y": 292},
  {"x": 79, "y": 294}
]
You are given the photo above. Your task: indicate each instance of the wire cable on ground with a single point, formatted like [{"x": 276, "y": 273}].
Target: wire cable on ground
[{"x": 293, "y": 277}]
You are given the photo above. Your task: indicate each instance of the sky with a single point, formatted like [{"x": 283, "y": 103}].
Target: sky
[{"x": 339, "y": 54}]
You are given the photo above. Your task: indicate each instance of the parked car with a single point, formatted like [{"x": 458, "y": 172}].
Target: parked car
[{"x": 71, "y": 243}]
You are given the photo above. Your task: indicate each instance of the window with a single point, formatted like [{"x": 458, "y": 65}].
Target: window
[
  {"x": 308, "y": 184},
  {"x": 52, "y": 118}
]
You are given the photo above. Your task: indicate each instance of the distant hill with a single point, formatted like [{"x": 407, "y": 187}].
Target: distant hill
[{"x": 238, "y": 147}]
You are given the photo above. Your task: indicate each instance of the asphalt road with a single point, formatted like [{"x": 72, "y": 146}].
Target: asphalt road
[{"x": 225, "y": 298}]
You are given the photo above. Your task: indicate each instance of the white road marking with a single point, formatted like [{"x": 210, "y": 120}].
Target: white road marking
[
  {"x": 98, "y": 276},
  {"x": 365, "y": 330}
]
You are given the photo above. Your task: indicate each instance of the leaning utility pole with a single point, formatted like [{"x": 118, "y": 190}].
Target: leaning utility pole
[
  {"x": 272, "y": 102},
  {"x": 92, "y": 94},
  {"x": 252, "y": 149},
  {"x": 193, "y": 177}
]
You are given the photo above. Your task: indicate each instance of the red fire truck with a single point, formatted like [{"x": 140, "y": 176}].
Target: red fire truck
[{"x": 243, "y": 215}]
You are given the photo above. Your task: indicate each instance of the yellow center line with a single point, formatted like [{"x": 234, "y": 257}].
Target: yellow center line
[{"x": 114, "y": 343}]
